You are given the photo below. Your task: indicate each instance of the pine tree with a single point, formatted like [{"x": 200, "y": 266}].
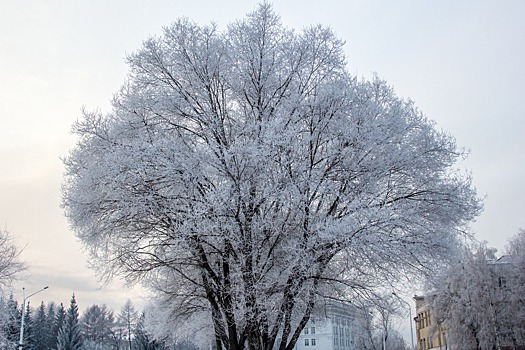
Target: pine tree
[
  {"x": 57, "y": 325},
  {"x": 69, "y": 336},
  {"x": 4, "y": 343},
  {"x": 51, "y": 338},
  {"x": 13, "y": 318},
  {"x": 28, "y": 327},
  {"x": 40, "y": 332}
]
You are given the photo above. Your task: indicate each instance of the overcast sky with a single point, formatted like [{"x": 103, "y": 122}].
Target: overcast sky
[{"x": 462, "y": 62}]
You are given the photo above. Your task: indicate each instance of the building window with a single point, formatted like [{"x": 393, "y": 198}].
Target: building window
[
  {"x": 306, "y": 342},
  {"x": 335, "y": 329},
  {"x": 313, "y": 341},
  {"x": 502, "y": 282},
  {"x": 313, "y": 330},
  {"x": 306, "y": 330}
]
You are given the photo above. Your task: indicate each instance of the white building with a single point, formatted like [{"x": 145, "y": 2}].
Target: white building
[{"x": 335, "y": 330}]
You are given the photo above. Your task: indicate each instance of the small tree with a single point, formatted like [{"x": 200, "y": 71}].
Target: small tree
[
  {"x": 51, "y": 338},
  {"x": 14, "y": 315},
  {"x": 28, "y": 326},
  {"x": 9, "y": 323},
  {"x": 127, "y": 318},
  {"x": 10, "y": 267},
  {"x": 374, "y": 328},
  {"x": 10, "y": 264},
  {"x": 97, "y": 326},
  {"x": 70, "y": 336},
  {"x": 57, "y": 325}
]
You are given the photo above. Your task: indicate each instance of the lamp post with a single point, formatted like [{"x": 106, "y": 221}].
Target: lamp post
[
  {"x": 409, "y": 317},
  {"x": 21, "y": 341}
]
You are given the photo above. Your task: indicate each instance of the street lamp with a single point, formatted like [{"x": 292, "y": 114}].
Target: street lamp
[
  {"x": 21, "y": 341},
  {"x": 409, "y": 317}
]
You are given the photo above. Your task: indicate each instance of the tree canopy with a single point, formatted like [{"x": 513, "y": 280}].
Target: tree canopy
[{"x": 246, "y": 175}]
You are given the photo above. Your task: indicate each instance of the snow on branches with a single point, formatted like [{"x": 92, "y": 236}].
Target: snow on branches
[{"x": 245, "y": 173}]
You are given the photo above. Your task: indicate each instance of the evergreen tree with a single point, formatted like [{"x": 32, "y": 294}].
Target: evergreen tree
[
  {"x": 59, "y": 322},
  {"x": 13, "y": 317},
  {"x": 3, "y": 323},
  {"x": 40, "y": 329},
  {"x": 51, "y": 339},
  {"x": 69, "y": 336},
  {"x": 28, "y": 328}
]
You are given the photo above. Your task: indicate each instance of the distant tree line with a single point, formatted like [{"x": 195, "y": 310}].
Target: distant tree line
[{"x": 55, "y": 327}]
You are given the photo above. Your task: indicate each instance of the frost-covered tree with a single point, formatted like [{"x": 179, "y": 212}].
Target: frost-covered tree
[
  {"x": 127, "y": 318},
  {"x": 512, "y": 286},
  {"x": 10, "y": 267},
  {"x": 14, "y": 316},
  {"x": 366, "y": 332},
  {"x": 375, "y": 328},
  {"x": 40, "y": 329},
  {"x": 60, "y": 316},
  {"x": 10, "y": 263},
  {"x": 3, "y": 322},
  {"x": 143, "y": 340},
  {"x": 396, "y": 341},
  {"x": 97, "y": 326},
  {"x": 245, "y": 174},
  {"x": 458, "y": 298},
  {"x": 28, "y": 326},
  {"x": 50, "y": 326},
  {"x": 9, "y": 323},
  {"x": 475, "y": 302},
  {"x": 70, "y": 336},
  {"x": 162, "y": 324}
]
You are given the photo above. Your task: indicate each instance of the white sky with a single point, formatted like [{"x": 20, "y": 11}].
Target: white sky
[{"x": 462, "y": 62}]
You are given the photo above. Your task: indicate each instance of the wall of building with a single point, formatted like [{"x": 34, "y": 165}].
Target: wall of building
[
  {"x": 334, "y": 330},
  {"x": 429, "y": 335}
]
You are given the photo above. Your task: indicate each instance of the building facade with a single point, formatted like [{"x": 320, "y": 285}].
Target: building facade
[
  {"x": 336, "y": 329},
  {"x": 429, "y": 334}
]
